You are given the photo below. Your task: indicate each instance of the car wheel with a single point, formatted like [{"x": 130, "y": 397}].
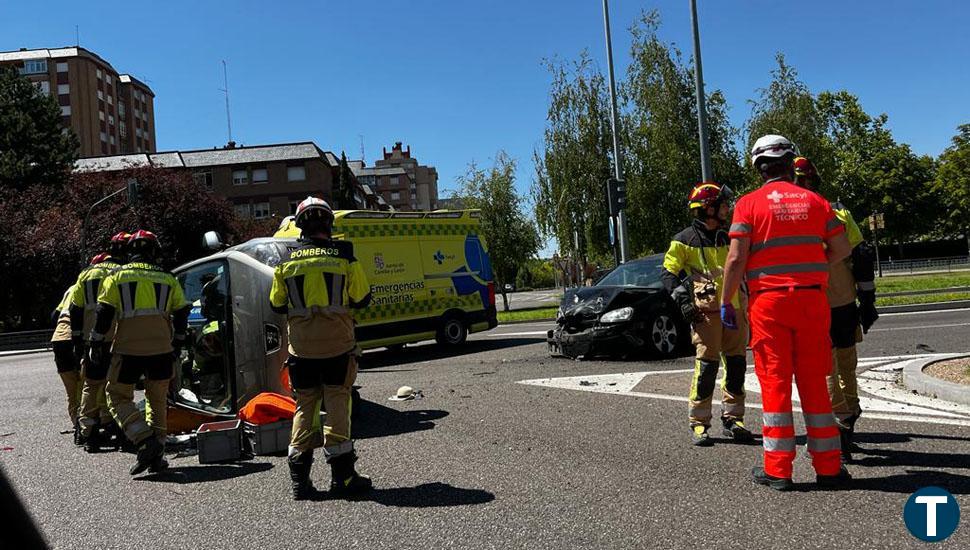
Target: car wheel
[
  {"x": 452, "y": 331},
  {"x": 663, "y": 335}
]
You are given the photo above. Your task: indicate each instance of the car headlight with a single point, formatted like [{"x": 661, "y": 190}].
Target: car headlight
[{"x": 617, "y": 315}]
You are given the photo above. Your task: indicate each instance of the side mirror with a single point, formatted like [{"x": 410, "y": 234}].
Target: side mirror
[{"x": 211, "y": 241}]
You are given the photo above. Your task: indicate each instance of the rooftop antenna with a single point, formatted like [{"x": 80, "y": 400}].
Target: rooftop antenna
[
  {"x": 77, "y": 37},
  {"x": 225, "y": 82},
  {"x": 361, "y": 136}
]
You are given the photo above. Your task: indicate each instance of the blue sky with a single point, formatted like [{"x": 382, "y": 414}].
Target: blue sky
[{"x": 459, "y": 80}]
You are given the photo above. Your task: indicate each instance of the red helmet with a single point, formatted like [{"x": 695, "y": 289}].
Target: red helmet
[
  {"x": 708, "y": 193},
  {"x": 100, "y": 258},
  {"x": 313, "y": 208},
  {"x": 805, "y": 172},
  {"x": 143, "y": 242},
  {"x": 119, "y": 243}
]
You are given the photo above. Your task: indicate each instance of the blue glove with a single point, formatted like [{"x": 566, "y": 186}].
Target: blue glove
[{"x": 729, "y": 317}]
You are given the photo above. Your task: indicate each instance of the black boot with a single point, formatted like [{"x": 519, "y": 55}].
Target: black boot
[
  {"x": 113, "y": 436},
  {"x": 92, "y": 443},
  {"x": 149, "y": 451},
  {"x": 845, "y": 440},
  {"x": 78, "y": 438},
  {"x": 300, "y": 465},
  {"x": 345, "y": 480}
]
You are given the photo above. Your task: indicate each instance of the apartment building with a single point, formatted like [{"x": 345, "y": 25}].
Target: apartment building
[
  {"x": 110, "y": 112},
  {"x": 261, "y": 181},
  {"x": 400, "y": 179}
]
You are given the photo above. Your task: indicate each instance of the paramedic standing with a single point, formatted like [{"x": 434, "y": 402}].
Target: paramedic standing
[
  {"x": 315, "y": 287},
  {"x": 783, "y": 239}
]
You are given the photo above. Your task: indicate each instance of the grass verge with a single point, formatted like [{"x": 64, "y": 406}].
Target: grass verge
[
  {"x": 903, "y": 283},
  {"x": 923, "y": 299},
  {"x": 537, "y": 314}
]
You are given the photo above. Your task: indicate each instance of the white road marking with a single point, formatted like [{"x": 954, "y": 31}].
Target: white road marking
[
  {"x": 898, "y": 405},
  {"x": 923, "y": 312}
]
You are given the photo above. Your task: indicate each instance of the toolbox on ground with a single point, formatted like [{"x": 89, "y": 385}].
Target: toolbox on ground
[
  {"x": 219, "y": 441},
  {"x": 269, "y": 438}
]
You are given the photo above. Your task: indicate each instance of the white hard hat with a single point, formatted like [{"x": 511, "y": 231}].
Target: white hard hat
[
  {"x": 404, "y": 393},
  {"x": 773, "y": 146},
  {"x": 312, "y": 207}
]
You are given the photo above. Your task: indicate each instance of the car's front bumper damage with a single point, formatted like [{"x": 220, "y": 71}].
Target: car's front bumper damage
[{"x": 599, "y": 339}]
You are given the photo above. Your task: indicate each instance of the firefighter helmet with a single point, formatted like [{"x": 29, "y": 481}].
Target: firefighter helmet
[
  {"x": 707, "y": 194},
  {"x": 312, "y": 210},
  {"x": 805, "y": 173},
  {"x": 143, "y": 243}
]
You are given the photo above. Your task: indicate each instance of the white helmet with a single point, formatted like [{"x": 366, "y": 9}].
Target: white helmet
[
  {"x": 772, "y": 146},
  {"x": 313, "y": 208}
]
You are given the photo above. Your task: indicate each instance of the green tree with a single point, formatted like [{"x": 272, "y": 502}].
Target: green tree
[
  {"x": 343, "y": 192},
  {"x": 575, "y": 161},
  {"x": 952, "y": 186},
  {"x": 511, "y": 236},
  {"x": 34, "y": 149},
  {"x": 660, "y": 129}
]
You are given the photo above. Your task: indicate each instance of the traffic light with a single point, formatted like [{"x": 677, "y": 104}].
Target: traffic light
[
  {"x": 616, "y": 194},
  {"x": 132, "y": 192}
]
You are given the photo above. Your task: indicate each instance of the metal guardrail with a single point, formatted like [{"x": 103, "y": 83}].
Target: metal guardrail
[
  {"x": 956, "y": 263},
  {"x": 28, "y": 339}
]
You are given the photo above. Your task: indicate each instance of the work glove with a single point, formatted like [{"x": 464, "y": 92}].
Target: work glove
[
  {"x": 867, "y": 309},
  {"x": 97, "y": 353},
  {"x": 685, "y": 302},
  {"x": 729, "y": 317}
]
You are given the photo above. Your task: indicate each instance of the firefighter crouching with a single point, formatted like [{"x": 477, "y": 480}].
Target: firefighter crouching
[
  {"x": 152, "y": 316},
  {"x": 314, "y": 287},
  {"x": 849, "y": 280},
  {"x": 94, "y": 415},
  {"x": 67, "y": 356},
  {"x": 700, "y": 250},
  {"x": 783, "y": 239}
]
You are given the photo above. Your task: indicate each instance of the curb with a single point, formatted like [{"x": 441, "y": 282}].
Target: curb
[
  {"x": 932, "y": 306},
  {"x": 923, "y": 384},
  {"x": 527, "y": 321},
  {"x": 12, "y": 353}
]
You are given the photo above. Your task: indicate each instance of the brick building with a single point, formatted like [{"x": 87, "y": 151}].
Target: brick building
[
  {"x": 400, "y": 180},
  {"x": 261, "y": 181},
  {"x": 111, "y": 113}
]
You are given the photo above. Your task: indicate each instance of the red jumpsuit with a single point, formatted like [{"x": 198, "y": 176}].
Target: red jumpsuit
[{"x": 787, "y": 273}]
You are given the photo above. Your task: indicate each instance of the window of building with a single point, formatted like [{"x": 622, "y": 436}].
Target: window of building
[
  {"x": 111, "y": 119},
  {"x": 121, "y": 108},
  {"x": 243, "y": 210},
  {"x": 107, "y": 80},
  {"x": 395, "y": 196},
  {"x": 295, "y": 173},
  {"x": 34, "y": 66},
  {"x": 138, "y": 133},
  {"x": 44, "y": 87},
  {"x": 99, "y": 74},
  {"x": 240, "y": 177},
  {"x": 63, "y": 89},
  {"x": 260, "y": 175},
  {"x": 104, "y": 136},
  {"x": 203, "y": 179},
  {"x": 100, "y": 95},
  {"x": 111, "y": 99},
  {"x": 101, "y": 116},
  {"x": 394, "y": 180},
  {"x": 62, "y": 67},
  {"x": 144, "y": 115},
  {"x": 65, "y": 110},
  {"x": 123, "y": 130},
  {"x": 111, "y": 140},
  {"x": 413, "y": 196},
  {"x": 261, "y": 210}
]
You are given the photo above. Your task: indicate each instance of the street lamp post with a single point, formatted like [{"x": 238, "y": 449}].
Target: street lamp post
[
  {"x": 707, "y": 174},
  {"x": 615, "y": 120}
]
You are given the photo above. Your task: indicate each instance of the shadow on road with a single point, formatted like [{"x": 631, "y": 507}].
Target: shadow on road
[
  {"x": 914, "y": 480},
  {"x": 206, "y": 473},
  {"x": 896, "y": 457},
  {"x": 426, "y": 495},
  {"x": 431, "y": 352},
  {"x": 375, "y": 420}
]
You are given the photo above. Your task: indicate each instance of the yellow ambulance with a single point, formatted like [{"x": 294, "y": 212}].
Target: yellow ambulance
[{"x": 429, "y": 273}]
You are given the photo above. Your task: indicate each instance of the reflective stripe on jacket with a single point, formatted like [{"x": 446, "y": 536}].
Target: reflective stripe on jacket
[
  {"x": 701, "y": 253},
  {"x": 143, "y": 297},
  {"x": 86, "y": 291}
]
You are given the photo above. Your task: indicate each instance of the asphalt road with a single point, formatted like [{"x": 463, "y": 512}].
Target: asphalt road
[{"x": 483, "y": 461}]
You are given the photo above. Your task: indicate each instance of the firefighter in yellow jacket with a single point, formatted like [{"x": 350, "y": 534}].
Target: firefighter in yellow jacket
[
  {"x": 152, "y": 316},
  {"x": 94, "y": 415},
  {"x": 849, "y": 280},
  {"x": 316, "y": 286},
  {"x": 66, "y": 357},
  {"x": 692, "y": 273}
]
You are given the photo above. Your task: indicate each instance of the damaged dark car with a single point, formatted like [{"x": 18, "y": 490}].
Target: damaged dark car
[{"x": 626, "y": 313}]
